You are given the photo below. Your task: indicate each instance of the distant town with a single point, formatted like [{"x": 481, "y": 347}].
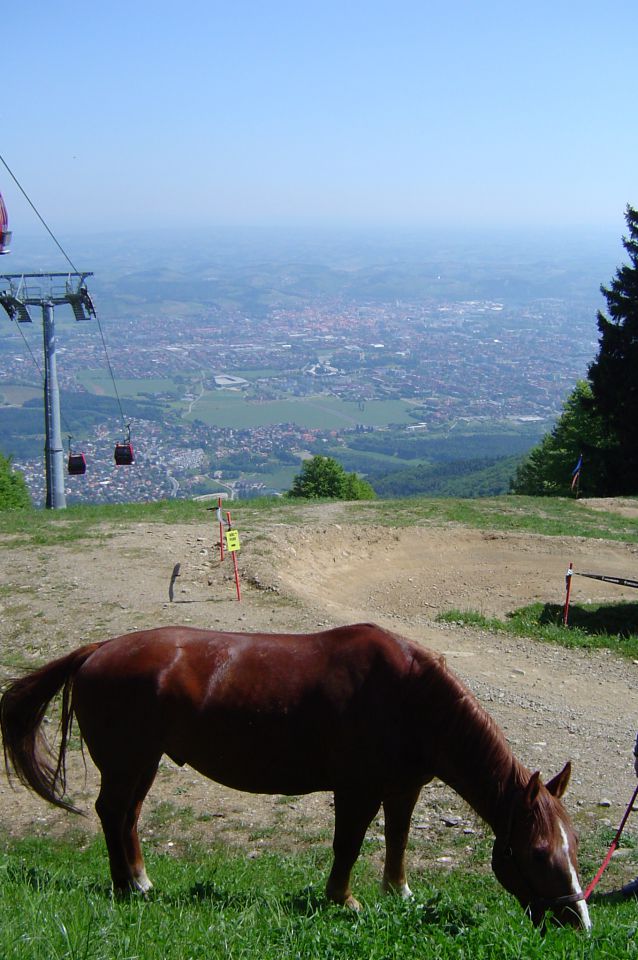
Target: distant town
[{"x": 228, "y": 384}]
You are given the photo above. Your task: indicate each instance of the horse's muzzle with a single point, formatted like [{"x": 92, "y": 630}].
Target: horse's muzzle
[{"x": 570, "y": 909}]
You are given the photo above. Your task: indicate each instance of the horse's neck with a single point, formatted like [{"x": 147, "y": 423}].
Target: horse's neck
[{"x": 475, "y": 759}]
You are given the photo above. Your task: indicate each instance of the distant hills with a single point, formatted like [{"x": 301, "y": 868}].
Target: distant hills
[{"x": 253, "y": 270}]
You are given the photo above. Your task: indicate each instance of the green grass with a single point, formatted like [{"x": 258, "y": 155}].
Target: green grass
[
  {"x": 80, "y": 522},
  {"x": 65, "y": 527},
  {"x": 557, "y": 517},
  {"x": 611, "y": 626},
  {"x": 548, "y": 516},
  {"x": 55, "y": 904}
]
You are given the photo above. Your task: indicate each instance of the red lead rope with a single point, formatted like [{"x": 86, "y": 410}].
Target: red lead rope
[{"x": 614, "y": 844}]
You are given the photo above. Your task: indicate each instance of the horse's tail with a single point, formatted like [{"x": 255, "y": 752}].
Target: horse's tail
[{"x": 22, "y": 707}]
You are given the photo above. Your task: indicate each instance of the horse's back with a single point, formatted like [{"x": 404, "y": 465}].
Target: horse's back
[
  {"x": 209, "y": 668},
  {"x": 154, "y": 652},
  {"x": 283, "y": 713}
]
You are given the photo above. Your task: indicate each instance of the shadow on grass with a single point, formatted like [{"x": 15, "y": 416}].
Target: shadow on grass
[
  {"x": 305, "y": 903},
  {"x": 213, "y": 893},
  {"x": 615, "y": 619}
]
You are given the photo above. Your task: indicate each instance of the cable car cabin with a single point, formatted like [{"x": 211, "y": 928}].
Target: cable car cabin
[
  {"x": 5, "y": 234},
  {"x": 123, "y": 455},
  {"x": 76, "y": 464}
]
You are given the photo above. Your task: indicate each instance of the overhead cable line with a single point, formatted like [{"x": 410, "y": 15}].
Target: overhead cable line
[
  {"x": 75, "y": 270},
  {"x": 40, "y": 372},
  {"x": 108, "y": 362},
  {"x": 28, "y": 346},
  {"x": 38, "y": 214}
]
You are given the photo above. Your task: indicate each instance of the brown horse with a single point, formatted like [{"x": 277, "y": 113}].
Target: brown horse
[{"x": 356, "y": 710}]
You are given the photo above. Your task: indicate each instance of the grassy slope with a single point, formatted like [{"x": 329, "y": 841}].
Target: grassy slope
[{"x": 555, "y": 517}]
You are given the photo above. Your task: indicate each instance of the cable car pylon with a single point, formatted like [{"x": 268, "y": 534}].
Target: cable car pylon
[{"x": 48, "y": 290}]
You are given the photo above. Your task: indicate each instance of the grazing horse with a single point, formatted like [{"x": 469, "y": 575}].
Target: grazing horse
[{"x": 356, "y": 710}]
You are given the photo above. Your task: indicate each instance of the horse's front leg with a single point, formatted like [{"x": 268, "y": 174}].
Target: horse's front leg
[
  {"x": 354, "y": 811},
  {"x": 398, "y": 808}
]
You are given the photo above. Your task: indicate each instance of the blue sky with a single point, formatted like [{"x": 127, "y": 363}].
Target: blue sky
[{"x": 404, "y": 114}]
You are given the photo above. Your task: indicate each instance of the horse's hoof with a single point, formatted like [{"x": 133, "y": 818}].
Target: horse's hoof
[
  {"x": 352, "y": 904},
  {"x": 130, "y": 890},
  {"x": 398, "y": 890},
  {"x": 142, "y": 884}
]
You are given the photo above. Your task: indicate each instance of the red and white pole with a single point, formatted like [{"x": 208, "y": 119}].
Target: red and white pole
[
  {"x": 234, "y": 553},
  {"x": 221, "y": 528},
  {"x": 568, "y": 590}
]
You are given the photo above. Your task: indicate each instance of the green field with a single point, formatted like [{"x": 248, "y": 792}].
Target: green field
[
  {"x": 228, "y": 408},
  {"x": 280, "y": 478},
  {"x": 224, "y": 409},
  {"x": 259, "y": 374},
  {"x": 16, "y": 394},
  {"x": 98, "y": 383}
]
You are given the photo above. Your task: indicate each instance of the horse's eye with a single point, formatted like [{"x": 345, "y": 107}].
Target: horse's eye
[{"x": 540, "y": 855}]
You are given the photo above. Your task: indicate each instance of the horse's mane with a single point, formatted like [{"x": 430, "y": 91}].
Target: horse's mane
[{"x": 471, "y": 746}]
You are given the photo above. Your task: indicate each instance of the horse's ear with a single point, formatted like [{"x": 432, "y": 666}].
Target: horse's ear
[
  {"x": 532, "y": 790},
  {"x": 558, "y": 784}
]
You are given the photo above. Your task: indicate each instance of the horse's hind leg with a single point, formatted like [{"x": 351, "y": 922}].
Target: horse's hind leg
[
  {"x": 118, "y": 806},
  {"x": 353, "y": 815},
  {"x": 398, "y": 810},
  {"x": 133, "y": 850}
]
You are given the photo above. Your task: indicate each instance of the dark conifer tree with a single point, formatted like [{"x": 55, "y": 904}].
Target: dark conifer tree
[{"x": 614, "y": 373}]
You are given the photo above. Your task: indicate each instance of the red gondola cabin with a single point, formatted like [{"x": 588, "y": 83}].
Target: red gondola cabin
[
  {"x": 76, "y": 464},
  {"x": 123, "y": 455}
]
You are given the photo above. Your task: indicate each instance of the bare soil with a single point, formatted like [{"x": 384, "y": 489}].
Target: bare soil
[{"x": 553, "y": 704}]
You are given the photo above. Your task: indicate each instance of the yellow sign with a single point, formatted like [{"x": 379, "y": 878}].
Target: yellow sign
[{"x": 232, "y": 540}]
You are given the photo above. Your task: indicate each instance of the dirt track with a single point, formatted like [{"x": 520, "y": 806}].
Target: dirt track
[{"x": 553, "y": 704}]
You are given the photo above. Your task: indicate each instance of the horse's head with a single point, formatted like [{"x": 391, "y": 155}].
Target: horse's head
[{"x": 535, "y": 855}]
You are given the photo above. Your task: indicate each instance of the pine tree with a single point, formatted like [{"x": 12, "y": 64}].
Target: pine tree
[
  {"x": 547, "y": 469},
  {"x": 614, "y": 373}
]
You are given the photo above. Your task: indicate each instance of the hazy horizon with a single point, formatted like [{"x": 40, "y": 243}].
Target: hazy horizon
[{"x": 317, "y": 244}]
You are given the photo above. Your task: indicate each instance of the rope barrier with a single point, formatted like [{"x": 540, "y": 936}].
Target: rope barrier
[
  {"x": 614, "y": 844},
  {"x": 619, "y": 581}
]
